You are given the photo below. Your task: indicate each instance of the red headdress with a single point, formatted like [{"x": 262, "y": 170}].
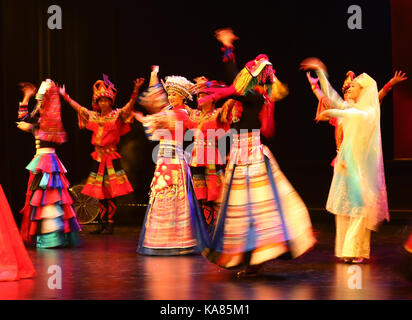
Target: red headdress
[
  {"x": 103, "y": 89},
  {"x": 255, "y": 67},
  {"x": 257, "y": 75}
]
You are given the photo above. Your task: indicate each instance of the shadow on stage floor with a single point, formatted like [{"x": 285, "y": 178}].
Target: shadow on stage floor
[{"x": 108, "y": 267}]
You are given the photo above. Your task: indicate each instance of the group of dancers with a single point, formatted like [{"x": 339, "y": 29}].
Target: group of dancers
[{"x": 237, "y": 209}]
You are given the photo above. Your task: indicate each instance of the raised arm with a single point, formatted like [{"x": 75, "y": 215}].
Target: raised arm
[
  {"x": 315, "y": 86},
  {"x": 338, "y": 113},
  {"x": 76, "y": 106},
  {"x": 226, "y": 37},
  {"x": 398, "y": 77},
  {"x": 128, "y": 108},
  {"x": 324, "y": 102},
  {"x": 320, "y": 69},
  {"x": 29, "y": 90}
]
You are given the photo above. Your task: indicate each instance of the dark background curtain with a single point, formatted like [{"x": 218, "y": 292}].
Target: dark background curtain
[
  {"x": 401, "y": 50},
  {"x": 124, "y": 38}
]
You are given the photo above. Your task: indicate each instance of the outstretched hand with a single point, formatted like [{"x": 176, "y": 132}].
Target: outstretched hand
[
  {"x": 62, "y": 90},
  {"x": 226, "y": 36},
  {"x": 155, "y": 69},
  {"x": 312, "y": 63},
  {"x": 312, "y": 81},
  {"x": 138, "y": 83},
  {"x": 24, "y": 126},
  {"x": 28, "y": 88},
  {"x": 398, "y": 77}
]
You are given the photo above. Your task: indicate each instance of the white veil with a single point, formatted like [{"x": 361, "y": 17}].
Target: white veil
[
  {"x": 362, "y": 139},
  {"x": 367, "y": 151}
]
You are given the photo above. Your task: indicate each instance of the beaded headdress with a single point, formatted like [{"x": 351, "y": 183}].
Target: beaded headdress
[{"x": 179, "y": 85}]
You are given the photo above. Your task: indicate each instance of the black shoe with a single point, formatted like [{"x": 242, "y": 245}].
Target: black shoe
[
  {"x": 101, "y": 226},
  {"x": 109, "y": 228}
]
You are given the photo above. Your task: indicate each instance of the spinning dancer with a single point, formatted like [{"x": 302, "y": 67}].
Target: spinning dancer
[
  {"x": 48, "y": 217},
  {"x": 261, "y": 216}
]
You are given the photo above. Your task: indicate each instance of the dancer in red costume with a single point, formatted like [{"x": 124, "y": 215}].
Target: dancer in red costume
[
  {"x": 107, "y": 180},
  {"x": 48, "y": 217},
  {"x": 15, "y": 263},
  {"x": 207, "y": 165},
  {"x": 206, "y": 123}
]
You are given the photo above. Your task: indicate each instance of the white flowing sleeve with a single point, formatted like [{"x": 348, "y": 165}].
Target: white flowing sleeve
[
  {"x": 329, "y": 92},
  {"x": 349, "y": 112}
]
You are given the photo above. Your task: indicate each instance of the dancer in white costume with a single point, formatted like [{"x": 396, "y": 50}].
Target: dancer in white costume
[{"x": 358, "y": 192}]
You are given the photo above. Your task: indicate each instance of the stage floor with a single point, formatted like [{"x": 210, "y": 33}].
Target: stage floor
[{"x": 108, "y": 267}]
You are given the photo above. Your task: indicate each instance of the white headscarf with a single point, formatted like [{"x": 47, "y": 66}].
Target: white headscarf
[{"x": 367, "y": 150}]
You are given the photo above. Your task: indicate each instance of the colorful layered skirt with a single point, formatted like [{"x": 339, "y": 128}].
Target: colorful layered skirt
[
  {"x": 107, "y": 179},
  {"x": 48, "y": 217},
  {"x": 174, "y": 223},
  {"x": 15, "y": 263},
  {"x": 261, "y": 216}
]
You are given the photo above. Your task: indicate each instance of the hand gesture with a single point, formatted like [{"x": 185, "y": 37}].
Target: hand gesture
[
  {"x": 398, "y": 77},
  {"x": 226, "y": 36},
  {"x": 24, "y": 126},
  {"x": 312, "y": 81},
  {"x": 137, "y": 84},
  {"x": 62, "y": 90},
  {"x": 155, "y": 69},
  {"x": 28, "y": 89},
  {"x": 312, "y": 63}
]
